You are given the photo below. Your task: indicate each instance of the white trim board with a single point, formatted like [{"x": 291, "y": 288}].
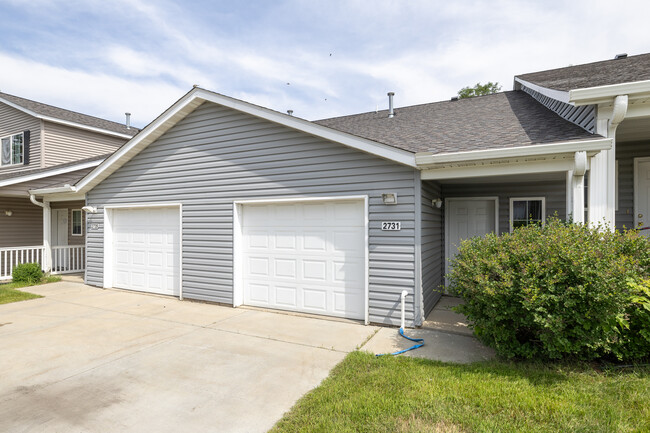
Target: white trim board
[
  {"x": 47, "y": 173},
  {"x": 238, "y": 274},
  {"x": 108, "y": 239}
]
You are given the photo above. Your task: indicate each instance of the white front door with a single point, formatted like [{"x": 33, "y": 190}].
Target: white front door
[
  {"x": 307, "y": 257},
  {"x": 467, "y": 218},
  {"x": 146, "y": 249},
  {"x": 642, "y": 194}
]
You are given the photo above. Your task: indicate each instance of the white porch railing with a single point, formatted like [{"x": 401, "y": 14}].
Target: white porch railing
[
  {"x": 13, "y": 256},
  {"x": 68, "y": 259}
]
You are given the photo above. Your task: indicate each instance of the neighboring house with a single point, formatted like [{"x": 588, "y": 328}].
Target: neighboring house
[
  {"x": 43, "y": 145},
  {"x": 224, "y": 201}
]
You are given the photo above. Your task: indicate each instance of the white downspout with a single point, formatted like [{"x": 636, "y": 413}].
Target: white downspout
[
  {"x": 47, "y": 233},
  {"x": 404, "y": 294}
]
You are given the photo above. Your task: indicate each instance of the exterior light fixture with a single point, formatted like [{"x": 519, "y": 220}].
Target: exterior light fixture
[
  {"x": 389, "y": 198},
  {"x": 9, "y": 213},
  {"x": 437, "y": 203},
  {"x": 89, "y": 209}
]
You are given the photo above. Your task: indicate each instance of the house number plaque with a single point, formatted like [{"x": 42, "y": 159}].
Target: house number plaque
[{"x": 391, "y": 225}]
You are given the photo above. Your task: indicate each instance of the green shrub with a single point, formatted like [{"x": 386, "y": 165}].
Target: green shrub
[
  {"x": 27, "y": 273},
  {"x": 634, "y": 338},
  {"x": 557, "y": 291}
]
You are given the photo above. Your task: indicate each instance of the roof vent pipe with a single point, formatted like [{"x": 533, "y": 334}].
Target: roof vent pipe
[
  {"x": 391, "y": 112},
  {"x": 128, "y": 120},
  {"x": 620, "y": 56},
  {"x": 290, "y": 112}
]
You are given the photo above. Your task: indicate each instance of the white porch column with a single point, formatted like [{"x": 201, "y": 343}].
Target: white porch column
[
  {"x": 602, "y": 175},
  {"x": 575, "y": 189},
  {"x": 47, "y": 237}
]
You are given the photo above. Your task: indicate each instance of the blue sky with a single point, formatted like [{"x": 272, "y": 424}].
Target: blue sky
[{"x": 318, "y": 58}]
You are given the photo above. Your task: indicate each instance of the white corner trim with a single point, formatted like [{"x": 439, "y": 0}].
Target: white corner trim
[
  {"x": 427, "y": 158},
  {"x": 64, "y": 122},
  {"x": 47, "y": 173},
  {"x": 600, "y": 94},
  {"x": 558, "y": 95}
]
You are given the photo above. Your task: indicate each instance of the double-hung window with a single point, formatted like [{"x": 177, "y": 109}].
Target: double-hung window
[
  {"x": 77, "y": 222},
  {"x": 526, "y": 211},
  {"x": 12, "y": 150}
]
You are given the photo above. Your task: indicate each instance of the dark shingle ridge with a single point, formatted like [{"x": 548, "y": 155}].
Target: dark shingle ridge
[
  {"x": 500, "y": 120},
  {"x": 68, "y": 115},
  {"x": 601, "y": 73}
]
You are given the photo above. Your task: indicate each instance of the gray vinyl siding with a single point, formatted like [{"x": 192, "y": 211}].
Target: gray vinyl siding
[
  {"x": 66, "y": 144},
  {"x": 433, "y": 246},
  {"x": 24, "y": 227},
  {"x": 625, "y": 154},
  {"x": 217, "y": 155},
  {"x": 584, "y": 116},
  {"x": 553, "y": 191},
  {"x": 14, "y": 121}
]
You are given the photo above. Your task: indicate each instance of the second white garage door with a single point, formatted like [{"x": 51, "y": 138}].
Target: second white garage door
[
  {"x": 146, "y": 249},
  {"x": 307, "y": 257}
]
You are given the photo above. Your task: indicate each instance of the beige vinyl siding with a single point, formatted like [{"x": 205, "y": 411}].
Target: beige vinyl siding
[
  {"x": 65, "y": 144},
  {"x": 21, "y": 189},
  {"x": 24, "y": 227},
  {"x": 217, "y": 155},
  {"x": 70, "y": 206},
  {"x": 14, "y": 121},
  {"x": 433, "y": 246}
]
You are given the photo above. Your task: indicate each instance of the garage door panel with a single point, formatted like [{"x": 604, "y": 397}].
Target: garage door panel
[
  {"x": 147, "y": 250},
  {"x": 305, "y": 257}
]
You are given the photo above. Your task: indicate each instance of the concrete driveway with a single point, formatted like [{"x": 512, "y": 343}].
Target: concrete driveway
[{"x": 84, "y": 359}]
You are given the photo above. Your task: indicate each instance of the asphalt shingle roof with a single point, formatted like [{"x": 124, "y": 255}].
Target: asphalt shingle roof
[
  {"x": 55, "y": 167},
  {"x": 607, "y": 72},
  {"x": 70, "y": 116},
  {"x": 500, "y": 120}
]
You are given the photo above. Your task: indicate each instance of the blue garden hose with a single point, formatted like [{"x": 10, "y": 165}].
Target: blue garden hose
[{"x": 420, "y": 342}]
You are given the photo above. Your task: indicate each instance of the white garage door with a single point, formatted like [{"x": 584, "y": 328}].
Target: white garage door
[
  {"x": 307, "y": 257},
  {"x": 146, "y": 252}
]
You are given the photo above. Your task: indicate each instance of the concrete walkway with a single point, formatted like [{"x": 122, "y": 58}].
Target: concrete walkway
[{"x": 84, "y": 359}]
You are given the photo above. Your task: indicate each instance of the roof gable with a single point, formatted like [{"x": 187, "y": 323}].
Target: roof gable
[{"x": 67, "y": 117}]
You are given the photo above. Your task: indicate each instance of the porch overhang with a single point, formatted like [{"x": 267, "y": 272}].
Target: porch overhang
[
  {"x": 542, "y": 158},
  {"x": 59, "y": 193}
]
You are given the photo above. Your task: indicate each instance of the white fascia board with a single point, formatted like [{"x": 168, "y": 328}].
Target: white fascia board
[
  {"x": 196, "y": 97},
  {"x": 558, "y": 95},
  {"x": 504, "y": 168},
  {"x": 427, "y": 158},
  {"x": 601, "y": 94},
  {"x": 53, "y": 172},
  {"x": 64, "y": 122},
  {"x": 365, "y": 145},
  {"x": 53, "y": 190}
]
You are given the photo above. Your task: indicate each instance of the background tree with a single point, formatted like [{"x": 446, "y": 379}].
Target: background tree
[{"x": 479, "y": 90}]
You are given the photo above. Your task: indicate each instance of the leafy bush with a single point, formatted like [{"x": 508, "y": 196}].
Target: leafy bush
[
  {"x": 557, "y": 291},
  {"x": 27, "y": 273}
]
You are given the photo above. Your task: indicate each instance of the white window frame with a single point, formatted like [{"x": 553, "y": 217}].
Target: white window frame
[
  {"x": 11, "y": 150},
  {"x": 81, "y": 223},
  {"x": 514, "y": 199}
]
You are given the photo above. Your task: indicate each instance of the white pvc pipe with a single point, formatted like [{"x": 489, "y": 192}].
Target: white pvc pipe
[{"x": 404, "y": 293}]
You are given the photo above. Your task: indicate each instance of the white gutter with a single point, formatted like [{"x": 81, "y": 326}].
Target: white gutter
[
  {"x": 427, "y": 158},
  {"x": 47, "y": 173},
  {"x": 64, "y": 122},
  {"x": 47, "y": 233},
  {"x": 600, "y": 94},
  {"x": 55, "y": 190}
]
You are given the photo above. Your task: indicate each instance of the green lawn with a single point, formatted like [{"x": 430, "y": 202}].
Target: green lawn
[
  {"x": 399, "y": 394},
  {"x": 9, "y": 292}
]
